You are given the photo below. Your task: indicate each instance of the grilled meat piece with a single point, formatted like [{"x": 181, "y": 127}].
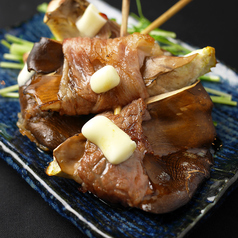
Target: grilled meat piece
[
  {"x": 158, "y": 177},
  {"x": 127, "y": 182},
  {"x": 84, "y": 56}
]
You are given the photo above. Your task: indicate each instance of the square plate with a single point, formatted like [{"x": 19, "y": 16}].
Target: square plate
[{"x": 92, "y": 216}]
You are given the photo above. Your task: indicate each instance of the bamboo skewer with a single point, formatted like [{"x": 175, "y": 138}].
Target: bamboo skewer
[
  {"x": 117, "y": 110},
  {"x": 125, "y": 14},
  {"x": 168, "y": 94},
  {"x": 165, "y": 16},
  {"x": 123, "y": 32}
]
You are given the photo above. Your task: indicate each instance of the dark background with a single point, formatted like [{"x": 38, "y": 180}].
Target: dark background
[{"x": 23, "y": 213}]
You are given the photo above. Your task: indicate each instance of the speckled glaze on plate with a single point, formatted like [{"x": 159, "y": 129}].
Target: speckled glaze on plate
[{"x": 92, "y": 216}]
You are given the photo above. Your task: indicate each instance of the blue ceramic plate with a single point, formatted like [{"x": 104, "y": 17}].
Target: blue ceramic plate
[{"x": 92, "y": 216}]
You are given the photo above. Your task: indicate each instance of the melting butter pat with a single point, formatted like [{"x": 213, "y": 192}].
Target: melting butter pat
[
  {"x": 91, "y": 22},
  {"x": 115, "y": 144},
  {"x": 24, "y": 75},
  {"x": 104, "y": 79}
]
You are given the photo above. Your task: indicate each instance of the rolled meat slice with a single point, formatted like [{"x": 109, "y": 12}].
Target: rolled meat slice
[
  {"x": 84, "y": 56},
  {"x": 157, "y": 178}
]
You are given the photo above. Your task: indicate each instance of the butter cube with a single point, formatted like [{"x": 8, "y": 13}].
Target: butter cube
[
  {"x": 104, "y": 79},
  {"x": 91, "y": 22},
  {"x": 115, "y": 144}
]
